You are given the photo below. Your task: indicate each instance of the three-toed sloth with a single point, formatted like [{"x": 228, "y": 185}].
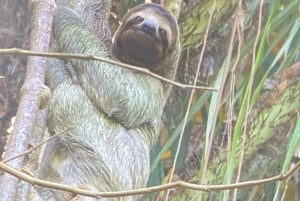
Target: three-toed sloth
[{"x": 112, "y": 114}]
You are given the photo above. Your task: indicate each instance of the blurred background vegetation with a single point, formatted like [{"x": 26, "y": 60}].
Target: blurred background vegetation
[{"x": 247, "y": 130}]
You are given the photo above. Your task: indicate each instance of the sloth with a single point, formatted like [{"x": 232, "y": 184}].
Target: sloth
[{"x": 112, "y": 114}]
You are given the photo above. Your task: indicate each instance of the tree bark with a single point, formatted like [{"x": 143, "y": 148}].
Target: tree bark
[{"x": 30, "y": 94}]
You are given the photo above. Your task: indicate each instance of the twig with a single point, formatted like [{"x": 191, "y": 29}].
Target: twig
[
  {"x": 241, "y": 14},
  {"x": 83, "y": 56},
  {"x": 191, "y": 96},
  {"x": 42, "y": 16},
  {"x": 36, "y": 146},
  {"x": 172, "y": 185}
]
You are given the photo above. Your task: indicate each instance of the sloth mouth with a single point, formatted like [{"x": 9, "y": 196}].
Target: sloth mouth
[{"x": 144, "y": 35}]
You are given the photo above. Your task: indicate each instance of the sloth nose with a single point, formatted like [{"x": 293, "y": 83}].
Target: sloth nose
[{"x": 149, "y": 26}]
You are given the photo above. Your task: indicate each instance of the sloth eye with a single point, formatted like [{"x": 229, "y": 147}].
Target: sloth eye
[
  {"x": 138, "y": 19},
  {"x": 162, "y": 32}
]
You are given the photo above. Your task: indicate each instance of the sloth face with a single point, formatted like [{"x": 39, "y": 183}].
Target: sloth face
[{"x": 147, "y": 35}]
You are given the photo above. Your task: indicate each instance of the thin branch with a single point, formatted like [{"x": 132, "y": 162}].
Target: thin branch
[
  {"x": 83, "y": 56},
  {"x": 172, "y": 185},
  {"x": 42, "y": 16},
  {"x": 191, "y": 97},
  {"x": 36, "y": 146},
  {"x": 218, "y": 102},
  {"x": 241, "y": 14}
]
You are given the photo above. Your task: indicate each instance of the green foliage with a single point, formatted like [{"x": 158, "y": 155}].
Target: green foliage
[{"x": 268, "y": 114}]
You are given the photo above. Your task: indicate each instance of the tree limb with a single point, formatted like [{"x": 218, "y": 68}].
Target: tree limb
[{"x": 29, "y": 104}]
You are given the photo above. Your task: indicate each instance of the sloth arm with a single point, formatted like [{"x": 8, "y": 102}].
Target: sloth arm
[{"x": 131, "y": 98}]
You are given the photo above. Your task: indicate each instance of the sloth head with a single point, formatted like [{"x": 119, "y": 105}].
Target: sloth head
[{"x": 148, "y": 34}]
